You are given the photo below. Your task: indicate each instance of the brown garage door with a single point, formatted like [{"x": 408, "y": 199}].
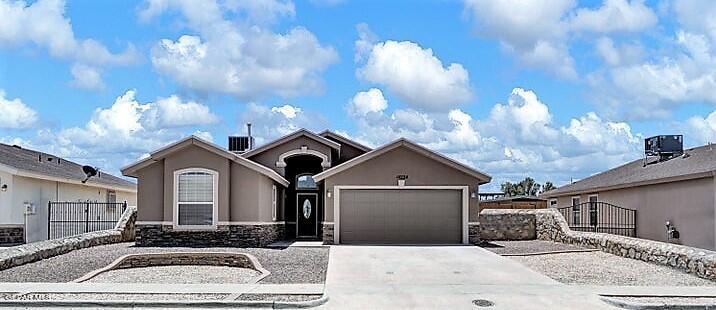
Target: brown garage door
[{"x": 400, "y": 216}]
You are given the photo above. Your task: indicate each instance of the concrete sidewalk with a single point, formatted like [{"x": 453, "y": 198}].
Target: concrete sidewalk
[{"x": 143, "y": 288}]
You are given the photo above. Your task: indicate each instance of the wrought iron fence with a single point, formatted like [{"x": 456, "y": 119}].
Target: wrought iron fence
[
  {"x": 601, "y": 217},
  {"x": 72, "y": 218}
]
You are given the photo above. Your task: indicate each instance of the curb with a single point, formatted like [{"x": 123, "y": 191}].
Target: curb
[
  {"x": 664, "y": 306},
  {"x": 188, "y": 304}
]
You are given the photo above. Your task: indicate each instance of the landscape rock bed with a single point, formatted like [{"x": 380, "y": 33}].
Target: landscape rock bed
[
  {"x": 290, "y": 265},
  {"x": 530, "y": 247},
  {"x": 178, "y": 275},
  {"x": 550, "y": 225},
  {"x": 599, "y": 268},
  {"x": 32, "y": 252}
]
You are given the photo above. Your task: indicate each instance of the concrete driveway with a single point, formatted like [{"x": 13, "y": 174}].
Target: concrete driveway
[{"x": 441, "y": 277}]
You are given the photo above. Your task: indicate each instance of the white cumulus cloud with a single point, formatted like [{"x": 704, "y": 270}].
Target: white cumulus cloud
[
  {"x": 416, "y": 76},
  {"x": 43, "y": 24},
  {"x": 247, "y": 61},
  {"x": 615, "y": 16},
  {"x": 14, "y": 114}
]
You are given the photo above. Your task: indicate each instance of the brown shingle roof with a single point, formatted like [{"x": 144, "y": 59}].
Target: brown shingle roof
[
  {"x": 697, "y": 162},
  {"x": 43, "y": 164}
]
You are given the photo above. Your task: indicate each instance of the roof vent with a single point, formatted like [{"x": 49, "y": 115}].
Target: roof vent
[
  {"x": 663, "y": 147},
  {"x": 17, "y": 146}
]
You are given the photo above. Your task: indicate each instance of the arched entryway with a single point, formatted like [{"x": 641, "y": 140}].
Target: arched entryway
[{"x": 304, "y": 202}]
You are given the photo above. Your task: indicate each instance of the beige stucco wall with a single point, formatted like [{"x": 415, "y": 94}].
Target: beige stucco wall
[
  {"x": 383, "y": 169},
  {"x": 687, "y": 204},
  {"x": 244, "y": 194},
  {"x": 150, "y": 193},
  {"x": 269, "y": 157},
  {"x": 195, "y": 157},
  {"x": 39, "y": 192}
]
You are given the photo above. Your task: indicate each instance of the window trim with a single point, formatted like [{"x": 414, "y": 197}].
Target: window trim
[
  {"x": 175, "y": 203},
  {"x": 274, "y": 202},
  {"x": 305, "y": 188}
]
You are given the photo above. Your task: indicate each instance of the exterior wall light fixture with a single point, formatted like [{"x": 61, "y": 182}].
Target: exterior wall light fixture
[{"x": 3, "y": 187}]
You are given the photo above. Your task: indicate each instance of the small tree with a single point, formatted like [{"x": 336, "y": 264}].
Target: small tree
[
  {"x": 526, "y": 187},
  {"x": 548, "y": 186}
]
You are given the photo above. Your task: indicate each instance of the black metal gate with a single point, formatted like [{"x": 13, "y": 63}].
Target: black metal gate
[
  {"x": 601, "y": 217},
  {"x": 73, "y": 218}
]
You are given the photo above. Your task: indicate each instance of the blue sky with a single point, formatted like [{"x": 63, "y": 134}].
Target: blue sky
[{"x": 556, "y": 89}]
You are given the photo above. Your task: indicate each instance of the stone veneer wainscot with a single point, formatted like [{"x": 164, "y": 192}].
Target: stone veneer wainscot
[
  {"x": 328, "y": 233},
  {"x": 12, "y": 234},
  {"x": 224, "y": 236}
]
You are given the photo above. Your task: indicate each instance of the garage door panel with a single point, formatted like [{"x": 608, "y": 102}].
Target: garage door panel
[{"x": 400, "y": 216}]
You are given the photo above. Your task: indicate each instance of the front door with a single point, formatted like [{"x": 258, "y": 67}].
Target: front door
[{"x": 306, "y": 219}]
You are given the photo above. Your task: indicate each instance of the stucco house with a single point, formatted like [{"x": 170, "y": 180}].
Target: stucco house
[
  {"x": 30, "y": 179},
  {"x": 303, "y": 186},
  {"x": 680, "y": 190}
]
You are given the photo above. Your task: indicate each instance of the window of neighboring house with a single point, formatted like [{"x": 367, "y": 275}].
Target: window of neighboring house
[
  {"x": 305, "y": 181},
  {"x": 195, "y": 198},
  {"x": 576, "y": 212},
  {"x": 274, "y": 202},
  {"x": 553, "y": 203},
  {"x": 593, "y": 209},
  {"x": 111, "y": 196}
]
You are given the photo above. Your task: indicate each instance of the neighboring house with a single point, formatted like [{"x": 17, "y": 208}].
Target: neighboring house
[
  {"x": 30, "y": 179},
  {"x": 680, "y": 190},
  {"x": 514, "y": 202},
  {"x": 303, "y": 186}
]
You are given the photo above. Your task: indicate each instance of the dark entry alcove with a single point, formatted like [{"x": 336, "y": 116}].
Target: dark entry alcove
[{"x": 304, "y": 166}]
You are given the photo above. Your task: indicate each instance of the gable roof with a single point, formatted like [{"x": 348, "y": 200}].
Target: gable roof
[
  {"x": 132, "y": 169},
  {"x": 298, "y": 133},
  {"x": 33, "y": 164},
  {"x": 402, "y": 142},
  {"x": 697, "y": 162},
  {"x": 344, "y": 140}
]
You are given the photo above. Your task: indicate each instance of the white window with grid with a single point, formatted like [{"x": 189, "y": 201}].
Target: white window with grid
[{"x": 195, "y": 197}]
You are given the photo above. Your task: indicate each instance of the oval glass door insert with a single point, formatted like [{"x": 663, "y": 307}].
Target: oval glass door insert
[{"x": 306, "y": 209}]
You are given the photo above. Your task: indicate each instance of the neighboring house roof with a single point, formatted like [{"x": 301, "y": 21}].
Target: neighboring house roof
[
  {"x": 289, "y": 137},
  {"x": 344, "y": 140},
  {"x": 484, "y": 178},
  {"x": 697, "y": 163},
  {"x": 515, "y": 198},
  {"x": 33, "y": 164},
  {"x": 132, "y": 169}
]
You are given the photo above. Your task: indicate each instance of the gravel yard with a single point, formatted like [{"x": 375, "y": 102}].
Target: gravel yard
[
  {"x": 599, "y": 268},
  {"x": 290, "y": 265},
  {"x": 529, "y": 247},
  {"x": 178, "y": 275}
]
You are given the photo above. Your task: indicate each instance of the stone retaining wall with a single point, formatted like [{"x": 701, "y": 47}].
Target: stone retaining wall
[
  {"x": 551, "y": 225},
  {"x": 32, "y": 252},
  {"x": 12, "y": 235},
  {"x": 328, "y": 233},
  {"x": 223, "y": 236},
  {"x": 495, "y": 224}
]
